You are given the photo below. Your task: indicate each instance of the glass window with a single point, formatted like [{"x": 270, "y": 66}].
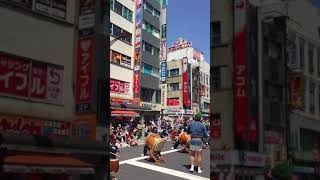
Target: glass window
[
  {"x": 118, "y": 7},
  {"x": 310, "y": 57},
  {"x": 147, "y": 47},
  {"x": 157, "y": 14},
  {"x": 147, "y": 69},
  {"x": 149, "y": 8},
  {"x": 174, "y": 87},
  {"x": 116, "y": 30},
  {"x": 111, "y": 4},
  {"x": 216, "y": 33},
  {"x": 174, "y": 72},
  {"x": 155, "y": 51}
]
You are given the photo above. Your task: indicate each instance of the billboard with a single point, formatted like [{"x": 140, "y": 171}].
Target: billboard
[
  {"x": 163, "y": 71},
  {"x": 118, "y": 86},
  {"x": 296, "y": 89},
  {"x": 185, "y": 88},
  {"x": 173, "y": 101},
  {"x": 137, "y": 56},
  {"x": 241, "y": 70},
  {"x": 84, "y": 71},
  {"x": 163, "y": 88},
  {"x": 164, "y": 32},
  {"x": 31, "y": 80},
  {"x": 54, "y": 8}
]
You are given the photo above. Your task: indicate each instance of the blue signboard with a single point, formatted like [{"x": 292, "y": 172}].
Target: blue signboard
[{"x": 163, "y": 71}]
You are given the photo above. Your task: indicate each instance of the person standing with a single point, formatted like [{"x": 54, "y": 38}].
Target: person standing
[{"x": 197, "y": 131}]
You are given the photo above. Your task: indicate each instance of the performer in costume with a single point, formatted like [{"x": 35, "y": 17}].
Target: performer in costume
[{"x": 198, "y": 131}]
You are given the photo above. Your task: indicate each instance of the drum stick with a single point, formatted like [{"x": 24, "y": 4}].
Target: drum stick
[{"x": 114, "y": 154}]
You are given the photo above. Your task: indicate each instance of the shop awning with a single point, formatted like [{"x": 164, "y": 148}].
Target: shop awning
[
  {"x": 46, "y": 163},
  {"x": 124, "y": 113}
]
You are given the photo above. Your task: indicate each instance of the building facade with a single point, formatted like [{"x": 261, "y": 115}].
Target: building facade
[
  {"x": 41, "y": 87},
  {"x": 265, "y": 108},
  {"x": 187, "y": 80}
]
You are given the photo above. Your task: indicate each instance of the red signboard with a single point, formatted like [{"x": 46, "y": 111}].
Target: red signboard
[
  {"x": 136, "y": 83},
  {"x": 173, "y": 101},
  {"x": 119, "y": 101},
  {"x": 84, "y": 70},
  {"x": 21, "y": 77},
  {"x": 240, "y": 66},
  {"x": 39, "y": 80},
  {"x": 186, "y": 101},
  {"x": 117, "y": 86},
  {"x": 14, "y": 75}
]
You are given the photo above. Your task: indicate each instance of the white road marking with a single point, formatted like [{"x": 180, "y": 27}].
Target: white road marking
[
  {"x": 144, "y": 157},
  {"x": 163, "y": 170}
]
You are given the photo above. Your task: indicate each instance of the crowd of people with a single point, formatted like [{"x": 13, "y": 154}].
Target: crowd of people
[{"x": 131, "y": 131}]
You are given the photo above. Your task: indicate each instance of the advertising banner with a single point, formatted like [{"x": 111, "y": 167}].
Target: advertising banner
[
  {"x": 164, "y": 32},
  {"x": 164, "y": 16},
  {"x": 296, "y": 87},
  {"x": 136, "y": 77},
  {"x": 186, "y": 101},
  {"x": 163, "y": 71},
  {"x": 120, "y": 87},
  {"x": 163, "y": 95},
  {"x": 54, "y": 8},
  {"x": 173, "y": 102},
  {"x": 131, "y": 102},
  {"x": 163, "y": 55},
  {"x": 84, "y": 127},
  {"x": 32, "y": 80},
  {"x": 179, "y": 45},
  {"x": 86, "y": 14},
  {"x": 84, "y": 70},
  {"x": 240, "y": 66}
]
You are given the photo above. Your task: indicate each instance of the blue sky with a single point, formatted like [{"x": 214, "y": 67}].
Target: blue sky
[{"x": 190, "y": 19}]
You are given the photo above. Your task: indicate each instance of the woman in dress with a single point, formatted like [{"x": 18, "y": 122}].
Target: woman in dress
[{"x": 198, "y": 131}]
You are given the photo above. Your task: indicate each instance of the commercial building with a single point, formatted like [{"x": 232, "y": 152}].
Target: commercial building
[
  {"x": 45, "y": 78},
  {"x": 186, "y": 68},
  {"x": 255, "y": 112}
]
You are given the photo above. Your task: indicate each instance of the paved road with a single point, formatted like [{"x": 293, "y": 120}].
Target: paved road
[{"x": 133, "y": 166}]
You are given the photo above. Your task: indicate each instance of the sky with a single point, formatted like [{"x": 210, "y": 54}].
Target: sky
[{"x": 190, "y": 19}]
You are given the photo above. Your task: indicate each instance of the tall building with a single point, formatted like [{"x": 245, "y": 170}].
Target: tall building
[
  {"x": 135, "y": 57},
  {"x": 186, "y": 68},
  {"x": 46, "y": 65},
  {"x": 122, "y": 32},
  {"x": 258, "y": 115}
]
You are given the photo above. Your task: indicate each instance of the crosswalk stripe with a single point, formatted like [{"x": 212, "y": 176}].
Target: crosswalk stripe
[{"x": 163, "y": 170}]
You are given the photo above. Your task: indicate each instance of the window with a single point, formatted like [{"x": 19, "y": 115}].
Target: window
[
  {"x": 151, "y": 10},
  {"x": 147, "y": 69},
  {"x": 308, "y": 139},
  {"x": 216, "y": 33},
  {"x": 155, "y": 51},
  {"x": 121, "y": 10},
  {"x": 146, "y": 94},
  {"x": 310, "y": 57},
  {"x": 147, "y": 47},
  {"x": 174, "y": 87},
  {"x": 174, "y": 72},
  {"x": 115, "y": 31},
  {"x": 118, "y": 7},
  {"x": 301, "y": 42},
  {"x": 151, "y": 29},
  {"x": 312, "y": 97},
  {"x": 216, "y": 77}
]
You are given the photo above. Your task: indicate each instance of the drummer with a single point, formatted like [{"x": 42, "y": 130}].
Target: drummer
[
  {"x": 145, "y": 149},
  {"x": 183, "y": 128},
  {"x": 114, "y": 150},
  {"x": 198, "y": 131}
]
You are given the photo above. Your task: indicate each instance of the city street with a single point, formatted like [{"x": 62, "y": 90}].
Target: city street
[{"x": 176, "y": 166}]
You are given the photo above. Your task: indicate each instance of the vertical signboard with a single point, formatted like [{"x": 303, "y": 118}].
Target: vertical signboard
[
  {"x": 137, "y": 60},
  {"x": 84, "y": 79},
  {"x": 240, "y": 67},
  {"x": 185, "y": 87},
  {"x": 163, "y": 95},
  {"x": 163, "y": 55}
]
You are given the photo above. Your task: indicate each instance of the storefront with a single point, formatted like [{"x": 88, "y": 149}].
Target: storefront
[
  {"x": 42, "y": 149},
  {"x": 151, "y": 111},
  {"x": 237, "y": 165},
  {"x": 175, "y": 114}
]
